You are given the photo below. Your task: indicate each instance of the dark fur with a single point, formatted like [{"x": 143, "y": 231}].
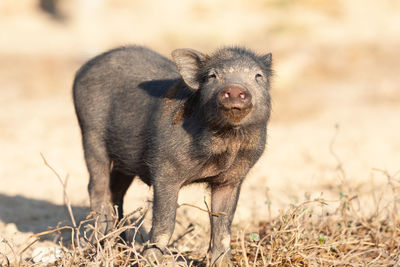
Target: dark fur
[{"x": 139, "y": 118}]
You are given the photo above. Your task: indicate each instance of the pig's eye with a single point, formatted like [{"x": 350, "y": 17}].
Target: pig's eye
[
  {"x": 211, "y": 76},
  {"x": 258, "y": 76}
]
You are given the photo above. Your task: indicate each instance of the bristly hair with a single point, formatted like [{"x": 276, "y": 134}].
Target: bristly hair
[
  {"x": 228, "y": 53},
  {"x": 233, "y": 52}
]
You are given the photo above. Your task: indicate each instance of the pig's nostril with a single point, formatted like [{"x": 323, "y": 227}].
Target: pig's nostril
[{"x": 229, "y": 94}]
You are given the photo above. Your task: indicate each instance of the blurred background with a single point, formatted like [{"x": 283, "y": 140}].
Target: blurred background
[{"x": 336, "y": 95}]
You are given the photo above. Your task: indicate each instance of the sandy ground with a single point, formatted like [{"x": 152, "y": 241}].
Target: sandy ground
[{"x": 330, "y": 99}]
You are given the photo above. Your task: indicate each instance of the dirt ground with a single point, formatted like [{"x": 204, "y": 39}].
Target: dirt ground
[{"x": 336, "y": 101}]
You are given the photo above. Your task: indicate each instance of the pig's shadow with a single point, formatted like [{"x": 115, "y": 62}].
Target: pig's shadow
[
  {"x": 33, "y": 215},
  {"x": 159, "y": 88}
]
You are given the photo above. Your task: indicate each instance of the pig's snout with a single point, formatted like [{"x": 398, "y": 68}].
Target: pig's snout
[
  {"x": 235, "y": 96},
  {"x": 235, "y": 102}
]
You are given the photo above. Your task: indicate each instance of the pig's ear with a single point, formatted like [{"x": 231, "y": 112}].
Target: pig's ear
[
  {"x": 267, "y": 59},
  {"x": 188, "y": 62}
]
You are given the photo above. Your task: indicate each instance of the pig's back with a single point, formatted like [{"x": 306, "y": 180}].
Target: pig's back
[
  {"x": 126, "y": 74},
  {"x": 117, "y": 95}
]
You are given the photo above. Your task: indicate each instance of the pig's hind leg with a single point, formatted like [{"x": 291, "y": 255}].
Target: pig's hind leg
[
  {"x": 98, "y": 164},
  {"x": 120, "y": 183}
]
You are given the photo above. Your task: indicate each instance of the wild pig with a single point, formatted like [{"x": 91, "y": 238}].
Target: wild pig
[{"x": 197, "y": 119}]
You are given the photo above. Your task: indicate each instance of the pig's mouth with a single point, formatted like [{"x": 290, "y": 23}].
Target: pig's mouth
[{"x": 235, "y": 114}]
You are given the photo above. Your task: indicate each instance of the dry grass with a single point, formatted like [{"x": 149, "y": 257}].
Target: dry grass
[
  {"x": 299, "y": 237},
  {"x": 316, "y": 232}
]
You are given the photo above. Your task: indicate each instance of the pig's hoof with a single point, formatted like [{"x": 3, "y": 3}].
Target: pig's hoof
[
  {"x": 104, "y": 224},
  {"x": 153, "y": 255}
]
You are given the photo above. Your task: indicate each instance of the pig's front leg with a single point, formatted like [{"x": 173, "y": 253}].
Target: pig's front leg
[
  {"x": 223, "y": 199},
  {"x": 163, "y": 224}
]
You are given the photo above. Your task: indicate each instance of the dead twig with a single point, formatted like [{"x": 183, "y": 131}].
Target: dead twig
[
  {"x": 67, "y": 202},
  {"x": 334, "y": 154},
  {"x": 209, "y": 212}
]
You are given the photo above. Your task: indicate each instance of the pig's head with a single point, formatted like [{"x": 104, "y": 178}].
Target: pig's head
[{"x": 232, "y": 85}]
